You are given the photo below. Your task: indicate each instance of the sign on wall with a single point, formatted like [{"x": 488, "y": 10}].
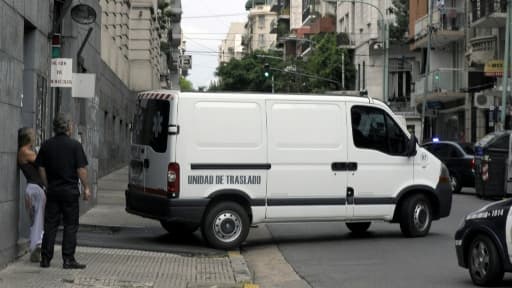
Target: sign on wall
[
  {"x": 61, "y": 72},
  {"x": 83, "y": 85}
]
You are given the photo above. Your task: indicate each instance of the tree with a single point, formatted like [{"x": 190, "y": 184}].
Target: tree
[
  {"x": 401, "y": 11},
  {"x": 296, "y": 75},
  {"x": 186, "y": 85},
  {"x": 327, "y": 61}
]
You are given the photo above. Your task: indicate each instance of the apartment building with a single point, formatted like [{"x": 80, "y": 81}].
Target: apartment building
[
  {"x": 485, "y": 53},
  {"x": 443, "y": 89},
  {"x": 231, "y": 47},
  {"x": 258, "y": 35},
  {"x": 130, "y": 43}
]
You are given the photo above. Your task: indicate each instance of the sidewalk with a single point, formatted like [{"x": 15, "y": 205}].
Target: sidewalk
[{"x": 128, "y": 268}]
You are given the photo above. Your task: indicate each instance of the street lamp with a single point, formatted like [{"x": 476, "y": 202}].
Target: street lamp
[
  {"x": 385, "y": 39},
  {"x": 82, "y": 12}
]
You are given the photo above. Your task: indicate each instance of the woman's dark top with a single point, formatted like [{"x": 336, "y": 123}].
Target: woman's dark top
[{"x": 30, "y": 171}]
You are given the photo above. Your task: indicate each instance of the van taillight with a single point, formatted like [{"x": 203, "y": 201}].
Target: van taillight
[{"x": 173, "y": 180}]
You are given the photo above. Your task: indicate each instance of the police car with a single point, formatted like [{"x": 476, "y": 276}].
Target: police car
[{"x": 484, "y": 242}]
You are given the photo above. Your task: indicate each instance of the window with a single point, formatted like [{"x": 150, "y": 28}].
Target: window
[
  {"x": 501, "y": 143},
  {"x": 150, "y": 124},
  {"x": 372, "y": 128},
  {"x": 261, "y": 21}
]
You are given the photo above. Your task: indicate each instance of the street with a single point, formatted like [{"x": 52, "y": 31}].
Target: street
[{"x": 326, "y": 254}]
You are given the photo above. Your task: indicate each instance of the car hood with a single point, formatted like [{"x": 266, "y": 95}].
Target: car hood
[{"x": 494, "y": 209}]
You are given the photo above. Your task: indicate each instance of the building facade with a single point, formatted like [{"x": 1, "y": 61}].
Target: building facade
[
  {"x": 121, "y": 48},
  {"x": 442, "y": 91},
  {"x": 24, "y": 68},
  {"x": 258, "y": 35},
  {"x": 485, "y": 49},
  {"x": 231, "y": 47}
]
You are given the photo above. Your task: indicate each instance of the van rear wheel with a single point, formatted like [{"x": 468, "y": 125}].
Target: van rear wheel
[
  {"x": 226, "y": 225},
  {"x": 415, "y": 216},
  {"x": 358, "y": 227}
]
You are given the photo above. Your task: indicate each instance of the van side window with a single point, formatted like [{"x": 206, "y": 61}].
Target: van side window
[
  {"x": 501, "y": 143},
  {"x": 372, "y": 128}
]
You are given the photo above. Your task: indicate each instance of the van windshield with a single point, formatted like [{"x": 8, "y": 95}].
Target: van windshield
[{"x": 150, "y": 124}]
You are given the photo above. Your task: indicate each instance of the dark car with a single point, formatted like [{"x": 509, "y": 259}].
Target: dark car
[
  {"x": 483, "y": 241},
  {"x": 460, "y": 160}
]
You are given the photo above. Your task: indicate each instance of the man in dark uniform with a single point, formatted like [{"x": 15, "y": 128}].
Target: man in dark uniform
[{"x": 62, "y": 161}]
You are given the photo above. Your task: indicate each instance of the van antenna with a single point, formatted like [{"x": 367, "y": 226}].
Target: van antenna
[{"x": 363, "y": 93}]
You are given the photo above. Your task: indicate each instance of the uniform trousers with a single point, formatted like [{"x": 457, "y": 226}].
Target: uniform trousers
[{"x": 66, "y": 207}]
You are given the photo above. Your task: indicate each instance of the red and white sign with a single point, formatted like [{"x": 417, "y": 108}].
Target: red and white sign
[{"x": 61, "y": 72}]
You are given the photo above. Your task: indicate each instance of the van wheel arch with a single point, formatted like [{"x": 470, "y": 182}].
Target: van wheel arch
[
  {"x": 409, "y": 192},
  {"x": 231, "y": 195}
]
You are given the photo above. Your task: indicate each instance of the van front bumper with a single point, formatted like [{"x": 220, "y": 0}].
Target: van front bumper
[{"x": 162, "y": 208}]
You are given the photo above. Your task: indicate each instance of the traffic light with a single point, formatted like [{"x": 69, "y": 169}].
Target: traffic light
[
  {"x": 56, "y": 45},
  {"x": 266, "y": 70}
]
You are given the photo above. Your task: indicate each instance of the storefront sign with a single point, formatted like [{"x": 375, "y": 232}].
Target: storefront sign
[{"x": 494, "y": 68}]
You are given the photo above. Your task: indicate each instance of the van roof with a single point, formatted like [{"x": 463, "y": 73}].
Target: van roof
[{"x": 171, "y": 94}]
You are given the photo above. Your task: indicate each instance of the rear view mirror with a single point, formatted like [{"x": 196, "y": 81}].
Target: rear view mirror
[{"x": 411, "y": 147}]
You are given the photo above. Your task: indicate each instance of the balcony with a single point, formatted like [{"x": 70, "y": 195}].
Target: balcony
[
  {"x": 283, "y": 28},
  {"x": 445, "y": 84},
  {"x": 483, "y": 49},
  {"x": 174, "y": 11},
  {"x": 447, "y": 27},
  {"x": 343, "y": 40},
  {"x": 284, "y": 13},
  {"x": 275, "y": 5},
  {"x": 174, "y": 35},
  {"x": 489, "y": 13}
]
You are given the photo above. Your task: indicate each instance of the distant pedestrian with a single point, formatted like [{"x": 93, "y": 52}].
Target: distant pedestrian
[
  {"x": 35, "y": 197},
  {"x": 62, "y": 162}
]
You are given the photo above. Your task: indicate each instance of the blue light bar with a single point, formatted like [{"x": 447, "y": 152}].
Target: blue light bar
[{"x": 435, "y": 139}]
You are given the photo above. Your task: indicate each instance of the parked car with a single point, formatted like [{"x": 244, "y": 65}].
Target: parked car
[
  {"x": 483, "y": 240},
  {"x": 460, "y": 160}
]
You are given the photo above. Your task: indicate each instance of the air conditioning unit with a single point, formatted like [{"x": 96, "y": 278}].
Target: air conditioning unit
[{"x": 483, "y": 101}]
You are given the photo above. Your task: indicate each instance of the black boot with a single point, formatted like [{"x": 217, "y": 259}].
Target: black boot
[
  {"x": 45, "y": 263},
  {"x": 72, "y": 264}
]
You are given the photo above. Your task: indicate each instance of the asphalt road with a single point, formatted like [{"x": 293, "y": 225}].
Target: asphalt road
[{"x": 328, "y": 255}]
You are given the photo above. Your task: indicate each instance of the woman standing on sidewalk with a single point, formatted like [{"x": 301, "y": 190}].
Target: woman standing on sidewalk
[{"x": 35, "y": 197}]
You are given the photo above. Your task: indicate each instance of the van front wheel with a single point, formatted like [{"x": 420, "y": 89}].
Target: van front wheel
[
  {"x": 226, "y": 225},
  {"x": 415, "y": 216}
]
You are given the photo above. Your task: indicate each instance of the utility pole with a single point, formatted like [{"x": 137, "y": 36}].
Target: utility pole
[
  {"x": 504, "y": 82},
  {"x": 427, "y": 69}
]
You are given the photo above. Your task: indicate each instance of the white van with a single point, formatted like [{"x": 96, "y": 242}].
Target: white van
[{"x": 226, "y": 161}]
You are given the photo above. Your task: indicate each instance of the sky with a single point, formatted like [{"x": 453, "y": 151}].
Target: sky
[{"x": 203, "y": 35}]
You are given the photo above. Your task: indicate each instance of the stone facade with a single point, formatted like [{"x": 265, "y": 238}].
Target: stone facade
[
  {"x": 102, "y": 123},
  {"x": 24, "y": 63}
]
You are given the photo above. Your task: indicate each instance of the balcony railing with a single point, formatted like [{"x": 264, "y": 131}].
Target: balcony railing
[
  {"x": 445, "y": 19},
  {"x": 483, "y": 49},
  {"x": 484, "y": 8},
  {"x": 442, "y": 80}
]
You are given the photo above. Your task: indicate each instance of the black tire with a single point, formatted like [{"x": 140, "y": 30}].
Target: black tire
[
  {"x": 358, "y": 227},
  {"x": 225, "y": 225},
  {"x": 175, "y": 228},
  {"x": 485, "y": 267},
  {"x": 415, "y": 216},
  {"x": 455, "y": 182}
]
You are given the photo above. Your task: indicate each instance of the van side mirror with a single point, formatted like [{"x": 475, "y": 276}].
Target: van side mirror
[{"x": 411, "y": 146}]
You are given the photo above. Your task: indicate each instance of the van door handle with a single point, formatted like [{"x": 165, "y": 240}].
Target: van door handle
[
  {"x": 146, "y": 163},
  {"x": 351, "y": 166}
]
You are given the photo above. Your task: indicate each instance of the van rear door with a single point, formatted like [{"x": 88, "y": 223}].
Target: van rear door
[{"x": 153, "y": 137}]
